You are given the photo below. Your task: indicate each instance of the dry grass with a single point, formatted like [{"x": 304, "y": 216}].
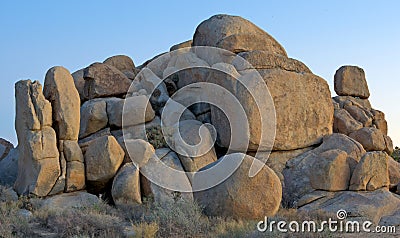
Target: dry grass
[{"x": 170, "y": 219}]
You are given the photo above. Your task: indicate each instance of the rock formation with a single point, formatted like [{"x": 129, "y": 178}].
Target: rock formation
[{"x": 160, "y": 131}]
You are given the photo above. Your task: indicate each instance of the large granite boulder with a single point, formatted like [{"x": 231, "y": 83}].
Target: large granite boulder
[
  {"x": 312, "y": 106},
  {"x": 359, "y": 206},
  {"x": 235, "y": 34},
  {"x": 103, "y": 158},
  {"x": 239, "y": 195},
  {"x": 126, "y": 186},
  {"x": 199, "y": 148},
  {"x": 371, "y": 173},
  {"x": 156, "y": 180},
  {"x": 104, "y": 80},
  {"x": 306, "y": 172},
  {"x": 94, "y": 117}
]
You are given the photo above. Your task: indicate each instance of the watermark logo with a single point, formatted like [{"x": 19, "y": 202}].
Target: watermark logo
[{"x": 341, "y": 224}]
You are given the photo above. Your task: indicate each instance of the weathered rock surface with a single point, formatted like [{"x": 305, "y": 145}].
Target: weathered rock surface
[
  {"x": 331, "y": 171},
  {"x": 182, "y": 45},
  {"x": 235, "y": 34},
  {"x": 5, "y": 148},
  {"x": 94, "y": 117},
  {"x": 371, "y": 173},
  {"x": 342, "y": 100},
  {"x": 68, "y": 201},
  {"x": 240, "y": 196},
  {"x": 103, "y": 80},
  {"x": 124, "y": 64},
  {"x": 259, "y": 59},
  {"x": 360, "y": 206},
  {"x": 300, "y": 170},
  {"x": 315, "y": 109},
  {"x": 140, "y": 151},
  {"x": 394, "y": 172},
  {"x": 103, "y": 158},
  {"x": 136, "y": 110},
  {"x": 153, "y": 173},
  {"x": 75, "y": 176},
  {"x": 199, "y": 151},
  {"x": 126, "y": 186},
  {"x": 371, "y": 138},
  {"x": 59, "y": 89},
  {"x": 344, "y": 123},
  {"x": 350, "y": 81},
  {"x": 38, "y": 161},
  {"x": 79, "y": 82}
]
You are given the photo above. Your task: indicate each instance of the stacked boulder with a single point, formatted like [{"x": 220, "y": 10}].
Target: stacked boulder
[
  {"x": 150, "y": 131},
  {"x": 352, "y": 168}
]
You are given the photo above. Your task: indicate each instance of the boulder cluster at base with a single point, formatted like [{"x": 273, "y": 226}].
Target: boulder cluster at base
[{"x": 100, "y": 131}]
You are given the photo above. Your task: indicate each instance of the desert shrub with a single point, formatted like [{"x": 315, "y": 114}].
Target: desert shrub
[
  {"x": 95, "y": 221},
  {"x": 396, "y": 154},
  {"x": 155, "y": 137},
  {"x": 12, "y": 222},
  {"x": 146, "y": 230}
]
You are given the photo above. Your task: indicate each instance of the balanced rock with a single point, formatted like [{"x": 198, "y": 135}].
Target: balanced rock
[
  {"x": 350, "y": 81},
  {"x": 235, "y": 34},
  {"x": 38, "y": 160},
  {"x": 126, "y": 186},
  {"x": 103, "y": 158},
  {"x": 239, "y": 196},
  {"x": 59, "y": 89},
  {"x": 371, "y": 173},
  {"x": 104, "y": 80}
]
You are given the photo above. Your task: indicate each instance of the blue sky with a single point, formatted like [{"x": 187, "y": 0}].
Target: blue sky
[{"x": 36, "y": 35}]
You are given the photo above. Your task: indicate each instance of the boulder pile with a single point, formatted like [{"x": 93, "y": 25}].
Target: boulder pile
[{"x": 157, "y": 131}]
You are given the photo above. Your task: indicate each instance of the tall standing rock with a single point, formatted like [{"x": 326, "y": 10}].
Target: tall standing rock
[
  {"x": 60, "y": 90},
  {"x": 38, "y": 161}
]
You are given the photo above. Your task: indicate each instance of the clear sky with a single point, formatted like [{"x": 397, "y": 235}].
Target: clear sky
[{"x": 36, "y": 35}]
